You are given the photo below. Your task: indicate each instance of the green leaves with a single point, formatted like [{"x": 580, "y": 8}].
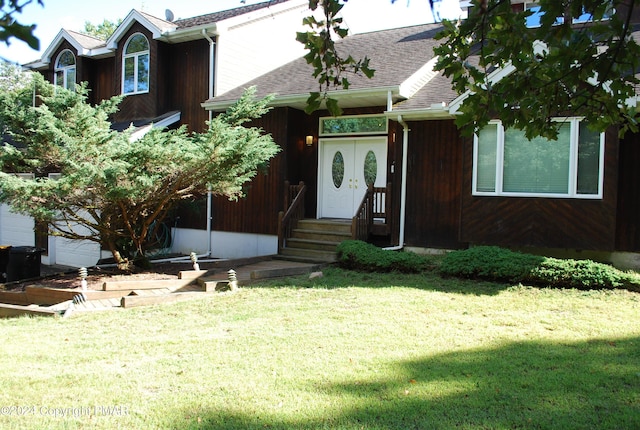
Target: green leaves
[
  {"x": 329, "y": 66},
  {"x": 559, "y": 67},
  {"x": 10, "y": 27}
]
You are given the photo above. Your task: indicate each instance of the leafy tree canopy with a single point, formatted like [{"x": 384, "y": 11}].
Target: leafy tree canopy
[
  {"x": 103, "y": 30},
  {"x": 10, "y": 27},
  {"x": 580, "y": 58},
  {"x": 111, "y": 190},
  {"x": 571, "y": 57},
  {"x": 330, "y": 67}
]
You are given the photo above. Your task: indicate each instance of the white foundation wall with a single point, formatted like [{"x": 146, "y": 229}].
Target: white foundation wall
[
  {"x": 18, "y": 230},
  {"x": 15, "y": 229},
  {"x": 73, "y": 253},
  {"x": 223, "y": 244}
]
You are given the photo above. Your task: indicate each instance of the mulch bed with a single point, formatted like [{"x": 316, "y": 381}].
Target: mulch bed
[{"x": 97, "y": 276}]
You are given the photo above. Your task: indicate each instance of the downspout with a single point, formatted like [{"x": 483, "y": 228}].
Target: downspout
[
  {"x": 211, "y": 75},
  {"x": 209, "y": 221},
  {"x": 212, "y": 45},
  {"x": 403, "y": 190}
]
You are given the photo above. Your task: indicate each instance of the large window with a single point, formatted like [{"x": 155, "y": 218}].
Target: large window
[
  {"x": 506, "y": 163},
  {"x": 65, "y": 70},
  {"x": 135, "y": 65},
  {"x": 534, "y": 19}
]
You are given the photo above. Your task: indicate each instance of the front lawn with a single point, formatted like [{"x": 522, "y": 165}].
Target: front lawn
[{"x": 346, "y": 351}]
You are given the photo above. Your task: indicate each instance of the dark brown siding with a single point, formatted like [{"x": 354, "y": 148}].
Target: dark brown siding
[
  {"x": 101, "y": 79},
  {"x": 139, "y": 106},
  {"x": 187, "y": 81},
  {"x": 628, "y": 222},
  {"x": 258, "y": 211},
  {"x": 433, "y": 184},
  {"x": 542, "y": 222},
  {"x": 302, "y": 160}
]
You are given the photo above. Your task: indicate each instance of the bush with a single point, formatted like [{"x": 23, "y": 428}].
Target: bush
[
  {"x": 362, "y": 256},
  {"x": 499, "y": 264}
]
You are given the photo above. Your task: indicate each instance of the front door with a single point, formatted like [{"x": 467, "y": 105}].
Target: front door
[{"x": 348, "y": 165}]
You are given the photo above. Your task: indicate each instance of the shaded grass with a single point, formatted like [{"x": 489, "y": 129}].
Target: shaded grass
[{"x": 348, "y": 350}]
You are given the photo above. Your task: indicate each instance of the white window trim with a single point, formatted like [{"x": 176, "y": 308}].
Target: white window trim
[
  {"x": 64, "y": 70},
  {"x": 135, "y": 56},
  {"x": 573, "y": 167}
]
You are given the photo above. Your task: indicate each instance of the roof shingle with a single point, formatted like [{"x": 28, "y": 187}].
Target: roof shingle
[
  {"x": 395, "y": 55},
  {"x": 225, "y": 14}
]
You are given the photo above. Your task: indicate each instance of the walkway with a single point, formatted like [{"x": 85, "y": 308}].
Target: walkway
[{"x": 131, "y": 293}]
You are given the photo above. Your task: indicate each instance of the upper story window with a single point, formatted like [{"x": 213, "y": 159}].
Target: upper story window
[
  {"x": 534, "y": 19},
  {"x": 65, "y": 70},
  {"x": 135, "y": 65},
  {"x": 506, "y": 163}
]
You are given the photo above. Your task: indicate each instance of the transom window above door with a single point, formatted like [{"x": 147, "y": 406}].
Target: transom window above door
[
  {"x": 65, "y": 70},
  {"x": 135, "y": 65},
  {"x": 350, "y": 125}
]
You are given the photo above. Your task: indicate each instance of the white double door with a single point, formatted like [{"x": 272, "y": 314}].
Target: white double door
[{"x": 346, "y": 166}]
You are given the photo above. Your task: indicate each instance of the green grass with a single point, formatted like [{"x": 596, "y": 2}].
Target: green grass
[{"x": 346, "y": 351}]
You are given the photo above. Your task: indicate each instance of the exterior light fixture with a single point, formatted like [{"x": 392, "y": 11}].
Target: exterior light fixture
[{"x": 309, "y": 140}]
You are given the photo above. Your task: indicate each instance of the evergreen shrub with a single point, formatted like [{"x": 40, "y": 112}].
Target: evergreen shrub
[
  {"x": 362, "y": 256},
  {"x": 499, "y": 264}
]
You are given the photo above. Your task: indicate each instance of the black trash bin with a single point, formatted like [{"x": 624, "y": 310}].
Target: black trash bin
[
  {"x": 24, "y": 263},
  {"x": 4, "y": 260}
]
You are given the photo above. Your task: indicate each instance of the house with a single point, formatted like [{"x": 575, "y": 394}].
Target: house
[
  {"x": 166, "y": 68},
  {"x": 394, "y": 169},
  {"x": 432, "y": 188}
]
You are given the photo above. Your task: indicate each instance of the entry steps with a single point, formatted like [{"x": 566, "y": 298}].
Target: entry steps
[{"x": 316, "y": 240}]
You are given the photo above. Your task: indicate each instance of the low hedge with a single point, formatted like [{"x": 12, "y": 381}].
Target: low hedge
[
  {"x": 362, "y": 256},
  {"x": 499, "y": 264}
]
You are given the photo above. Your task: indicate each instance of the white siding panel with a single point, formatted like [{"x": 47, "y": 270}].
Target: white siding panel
[
  {"x": 76, "y": 253},
  {"x": 15, "y": 229},
  {"x": 264, "y": 44}
]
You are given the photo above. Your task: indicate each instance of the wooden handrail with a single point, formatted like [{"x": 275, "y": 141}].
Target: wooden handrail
[
  {"x": 294, "y": 207},
  {"x": 375, "y": 204}
]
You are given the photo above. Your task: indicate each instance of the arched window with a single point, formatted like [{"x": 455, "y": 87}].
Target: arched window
[
  {"x": 65, "y": 70},
  {"x": 135, "y": 65}
]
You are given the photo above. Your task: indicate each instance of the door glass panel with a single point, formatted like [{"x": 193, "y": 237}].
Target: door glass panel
[
  {"x": 370, "y": 168},
  {"x": 337, "y": 169}
]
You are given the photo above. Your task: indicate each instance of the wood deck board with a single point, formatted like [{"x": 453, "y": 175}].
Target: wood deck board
[
  {"x": 134, "y": 301},
  {"x": 146, "y": 285},
  {"x": 17, "y": 310}
]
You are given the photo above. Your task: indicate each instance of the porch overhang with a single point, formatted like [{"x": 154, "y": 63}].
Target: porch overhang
[
  {"x": 352, "y": 98},
  {"x": 434, "y": 112},
  {"x": 143, "y": 126}
]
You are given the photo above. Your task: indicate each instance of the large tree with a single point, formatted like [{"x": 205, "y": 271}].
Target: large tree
[
  {"x": 113, "y": 190},
  {"x": 570, "y": 57},
  {"x": 580, "y": 58}
]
